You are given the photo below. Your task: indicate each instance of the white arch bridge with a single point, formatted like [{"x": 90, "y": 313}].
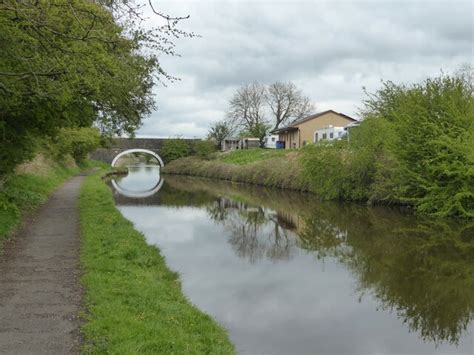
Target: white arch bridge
[{"x": 137, "y": 150}]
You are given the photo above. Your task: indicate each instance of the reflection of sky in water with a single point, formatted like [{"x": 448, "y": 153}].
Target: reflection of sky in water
[
  {"x": 297, "y": 305},
  {"x": 139, "y": 179}
]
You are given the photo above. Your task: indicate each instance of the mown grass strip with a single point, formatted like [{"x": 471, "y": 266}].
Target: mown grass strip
[{"x": 134, "y": 303}]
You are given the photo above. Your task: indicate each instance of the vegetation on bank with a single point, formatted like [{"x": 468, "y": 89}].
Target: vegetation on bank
[
  {"x": 415, "y": 147},
  {"x": 177, "y": 148},
  {"x": 31, "y": 186},
  {"x": 134, "y": 302},
  {"x": 280, "y": 169}
]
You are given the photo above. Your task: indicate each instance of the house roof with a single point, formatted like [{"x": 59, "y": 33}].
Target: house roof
[{"x": 293, "y": 125}]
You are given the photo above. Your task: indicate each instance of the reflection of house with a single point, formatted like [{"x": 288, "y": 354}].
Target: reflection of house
[{"x": 302, "y": 131}]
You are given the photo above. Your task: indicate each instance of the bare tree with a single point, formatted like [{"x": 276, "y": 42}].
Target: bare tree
[
  {"x": 287, "y": 103},
  {"x": 247, "y": 107},
  {"x": 247, "y": 110}
]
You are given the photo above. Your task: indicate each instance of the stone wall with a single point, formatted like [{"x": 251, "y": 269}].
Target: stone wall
[{"x": 118, "y": 145}]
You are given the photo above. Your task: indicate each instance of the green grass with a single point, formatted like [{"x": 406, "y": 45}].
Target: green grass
[
  {"x": 272, "y": 168},
  {"x": 134, "y": 303},
  {"x": 22, "y": 193},
  {"x": 248, "y": 156}
]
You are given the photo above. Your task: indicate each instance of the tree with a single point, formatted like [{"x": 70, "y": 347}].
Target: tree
[
  {"x": 247, "y": 110},
  {"x": 219, "y": 131},
  {"x": 175, "y": 148},
  {"x": 74, "y": 64},
  {"x": 287, "y": 103}
]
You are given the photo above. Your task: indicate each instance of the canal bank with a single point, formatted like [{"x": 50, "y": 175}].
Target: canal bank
[
  {"x": 134, "y": 302},
  {"x": 262, "y": 167}
]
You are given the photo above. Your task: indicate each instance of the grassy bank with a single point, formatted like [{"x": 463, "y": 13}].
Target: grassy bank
[
  {"x": 134, "y": 302},
  {"x": 30, "y": 186},
  {"x": 272, "y": 168}
]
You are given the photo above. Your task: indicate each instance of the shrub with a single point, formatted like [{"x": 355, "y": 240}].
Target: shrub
[
  {"x": 77, "y": 142},
  {"x": 414, "y": 147},
  {"x": 204, "y": 149},
  {"x": 176, "y": 148}
]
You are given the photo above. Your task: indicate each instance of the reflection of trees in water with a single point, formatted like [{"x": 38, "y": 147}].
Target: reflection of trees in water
[
  {"x": 422, "y": 270},
  {"x": 254, "y": 232}
]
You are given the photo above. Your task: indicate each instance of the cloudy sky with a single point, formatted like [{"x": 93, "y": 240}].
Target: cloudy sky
[{"x": 328, "y": 49}]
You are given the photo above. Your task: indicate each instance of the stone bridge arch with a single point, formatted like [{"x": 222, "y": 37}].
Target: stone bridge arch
[
  {"x": 118, "y": 145},
  {"x": 137, "y": 150}
]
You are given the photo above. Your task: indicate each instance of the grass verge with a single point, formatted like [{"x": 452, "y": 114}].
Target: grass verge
[
  {"x": 134, "y": 303},
  {"x": 247, "y": 156},
  {"x": 277, "y": 168},
  {"x": 22, "y": 193}
]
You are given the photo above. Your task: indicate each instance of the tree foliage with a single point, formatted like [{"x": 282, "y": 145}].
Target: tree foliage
[
  {"x": 174, "y": 149},
  {"x": 71, "y": 63},
  {"x": 77, "y": 142}
]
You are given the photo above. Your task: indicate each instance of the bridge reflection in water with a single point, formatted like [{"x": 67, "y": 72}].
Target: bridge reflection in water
[
  {"x": 141, "y": 182},
  {"x": 285, "y": 273}
]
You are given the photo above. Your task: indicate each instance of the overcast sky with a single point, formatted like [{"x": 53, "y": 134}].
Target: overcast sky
[{"x": 328, "y": 49}]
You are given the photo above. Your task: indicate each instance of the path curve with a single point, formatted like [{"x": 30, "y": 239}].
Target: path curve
[{"x": 40, "y": 295}]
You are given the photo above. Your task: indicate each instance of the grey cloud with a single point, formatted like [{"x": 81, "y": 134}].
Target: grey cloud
[{"x": 331, "y": 49}]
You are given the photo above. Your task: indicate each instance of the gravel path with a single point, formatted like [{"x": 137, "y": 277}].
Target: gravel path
[{"x": 40, "y": 296}]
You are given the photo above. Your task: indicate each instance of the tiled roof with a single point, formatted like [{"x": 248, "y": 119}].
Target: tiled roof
[{"x": 293, "y": 124}]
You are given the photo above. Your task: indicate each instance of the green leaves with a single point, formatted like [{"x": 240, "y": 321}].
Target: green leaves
[
  {"x": 71, "y": 63},
  {"x": 415, "y": 146}
]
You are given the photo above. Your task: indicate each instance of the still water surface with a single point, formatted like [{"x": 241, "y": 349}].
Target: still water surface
[{"x": 286, "y": 274}]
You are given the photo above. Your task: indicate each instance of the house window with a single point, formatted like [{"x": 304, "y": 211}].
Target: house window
[
  {"x": 325, "y": 136},
  {"x": 331, "y": 135},
  {"x": 316, "y": 137},
  {"x": 273, "y": 139}
]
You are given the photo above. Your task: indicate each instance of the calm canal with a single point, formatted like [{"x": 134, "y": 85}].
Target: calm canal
[{"x": 286, "y": 274}]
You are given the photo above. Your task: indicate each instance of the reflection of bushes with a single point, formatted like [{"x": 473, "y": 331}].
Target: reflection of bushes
[{"x": 422, "y": 270}]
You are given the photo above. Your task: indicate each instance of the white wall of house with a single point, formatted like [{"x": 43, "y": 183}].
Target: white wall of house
[
  {"x": 270, "y": 141},
  {"x": 328, "y": 133}
]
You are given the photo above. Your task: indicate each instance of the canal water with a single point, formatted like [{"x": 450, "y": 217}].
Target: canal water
[{"x": 287, "y": 274}]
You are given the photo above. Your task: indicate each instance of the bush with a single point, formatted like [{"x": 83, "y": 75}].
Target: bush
[
  {"x": 414, "y": 147},
  {"x": 77, "y": 142},
  {"x": 204, "y": 149},
  {"x": 176, "y": 148}
]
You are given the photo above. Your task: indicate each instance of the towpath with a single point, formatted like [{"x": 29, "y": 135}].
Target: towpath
[{"x": 40, "y": 295}]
